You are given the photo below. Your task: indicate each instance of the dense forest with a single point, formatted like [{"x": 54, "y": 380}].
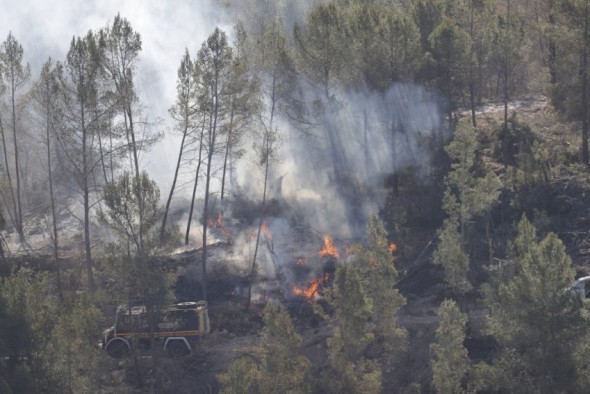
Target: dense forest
[{"x": 371, "y": 195}]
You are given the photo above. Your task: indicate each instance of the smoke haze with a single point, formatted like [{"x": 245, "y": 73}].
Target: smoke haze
[
  {"x": 45, "y": 29},
  {"x": 376, "y": 133}
]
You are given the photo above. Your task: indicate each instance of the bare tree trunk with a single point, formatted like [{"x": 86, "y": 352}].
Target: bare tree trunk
[
  {"x": 163, "y": 228},
  {"x": 267, "y": 148},
  {"x": 471, "y": 66},
  {"x": 86, "y": 198},
  {"x": 505, "y": 88},
  {"x": 199, "y": 161},
  {"x": 205, "y": 226},
  {"x": 260, "y": 223},
  {"x": 13, "y": 215},
  {"x": 227, "y": 149},
  {"x": 131, "y": 131},
  {"x": 52, "y": 195},
  {"x": 552, "y": 57},
  {"x": 366, "y": 139},
  {"x": 19, "y": 214},
  {"x": 211, "y": 148},
  {"x": 584, "y": 72},
  {"x": 102, "y": 163}
]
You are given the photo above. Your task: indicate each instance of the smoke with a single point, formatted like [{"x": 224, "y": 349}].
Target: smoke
[
  {"x": 46, "y": 28},
  {"x": 333, "y": 175}
]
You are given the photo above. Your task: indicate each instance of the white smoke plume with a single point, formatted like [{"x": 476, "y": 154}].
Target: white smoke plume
[{"x": 46, "y": 28}]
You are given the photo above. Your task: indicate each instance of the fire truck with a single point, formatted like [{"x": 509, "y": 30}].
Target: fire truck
[{"x": 178, "y": 327}]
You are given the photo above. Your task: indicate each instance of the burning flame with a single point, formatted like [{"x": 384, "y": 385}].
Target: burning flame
[
  {"x": 266, "y": 231},
  {"x": 301, "y": 261},
  {"x": 392, "y": 247},
  {"x": 219, "y": 224},
  {"x": 309, "y": 292},
  {"x": 329, "y": 249}
]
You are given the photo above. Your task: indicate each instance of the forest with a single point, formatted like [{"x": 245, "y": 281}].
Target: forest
[{"x": 371, "y": 196}]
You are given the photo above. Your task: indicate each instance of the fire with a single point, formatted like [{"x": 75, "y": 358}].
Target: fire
[
  {"x": 266, "y": 231},
  {"x": 329, "y": 249},
  {"x": 309, "y": 292},
  {"x": 219, "y": 224},
  {"x": 301, "y": 261},
  {"x": 392, "y": 247}
]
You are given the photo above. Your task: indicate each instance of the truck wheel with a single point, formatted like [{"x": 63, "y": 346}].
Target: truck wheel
[
  {"x": 177, "y": 348},
  {"x": 117, "y": 349}
]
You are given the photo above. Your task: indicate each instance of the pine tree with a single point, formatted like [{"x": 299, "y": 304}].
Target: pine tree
[
  {"x": 466, "y": 196},
  {"x": 15, "y": 75},
  {"x": 538, "y": 325},
  {"x": 183, "y": 112},
  {"x": 214, "y": 62},
  {"x": 450, "y": 362},
  {"x": 79, "y": 86},
  {"x": 280, "y": 368}
]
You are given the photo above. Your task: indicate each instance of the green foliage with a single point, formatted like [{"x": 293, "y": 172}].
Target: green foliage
[
  {"x": 367, "y": 340},
  {"x": 450, "y": 254},
  {"x": 51, "y": 347},
  {"x": 538, "y": 325},
  {"x": 451, "y": 52},
  {"x": 132, "y": 210},
  {"x": 376, "y": 264},
  {"x": 72, "y": 356},
  {"x": 474, "y": 194},
  {"x": 351, "y": 371},
  {"x": 320, "y": 46},
  {"x": 467, "y": 195},
  {"x": 450, "y": 362},
  {"x": 242, "y": 376},
  {"x": 385, "y": 45},
  {"x": 427, "y": 14},
  {"x": 280, "y": 369}
]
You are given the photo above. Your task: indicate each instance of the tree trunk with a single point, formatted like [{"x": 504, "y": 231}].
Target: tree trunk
[
  {"x": 260, "y": 223},
  {"x": 19, "y": 214},
  {"x": 12, "y": 215},
  {"x": 163, "y": 228},
  {"x": 199, "y": 160},
  {"x": 227, "y": 149},
  {"x": 505, "y": 88},
  {"x": 52, "y": 196},
  {"x": 86, "y": 199},
  {"x": 102, "y": 163},
  {"x": 131, "y": 131},
  {"x": 205, "y": 225},
  {"x": 552, "y": 56},
  {"x": 584, "y": 72}
]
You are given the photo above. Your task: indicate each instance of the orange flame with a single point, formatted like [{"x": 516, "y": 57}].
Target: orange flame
[
  {"x": 392, "y": 247},
  {"x": 309, "y": 292},
  {"x": 219, "y": 224},
  {"x": 266, "y": 231},
  {"x": 301, "y": 261},
  {"x": 329, "y": 249}
]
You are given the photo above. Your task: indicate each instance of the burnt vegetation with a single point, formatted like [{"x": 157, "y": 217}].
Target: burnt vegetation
[{"x": 370, "y": 196}]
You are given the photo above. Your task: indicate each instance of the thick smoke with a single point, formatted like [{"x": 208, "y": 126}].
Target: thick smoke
[{"x": 337, "y": 186}]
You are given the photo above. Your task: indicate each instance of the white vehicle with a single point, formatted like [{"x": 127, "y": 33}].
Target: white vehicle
[{"x": 581, "y": 288}]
